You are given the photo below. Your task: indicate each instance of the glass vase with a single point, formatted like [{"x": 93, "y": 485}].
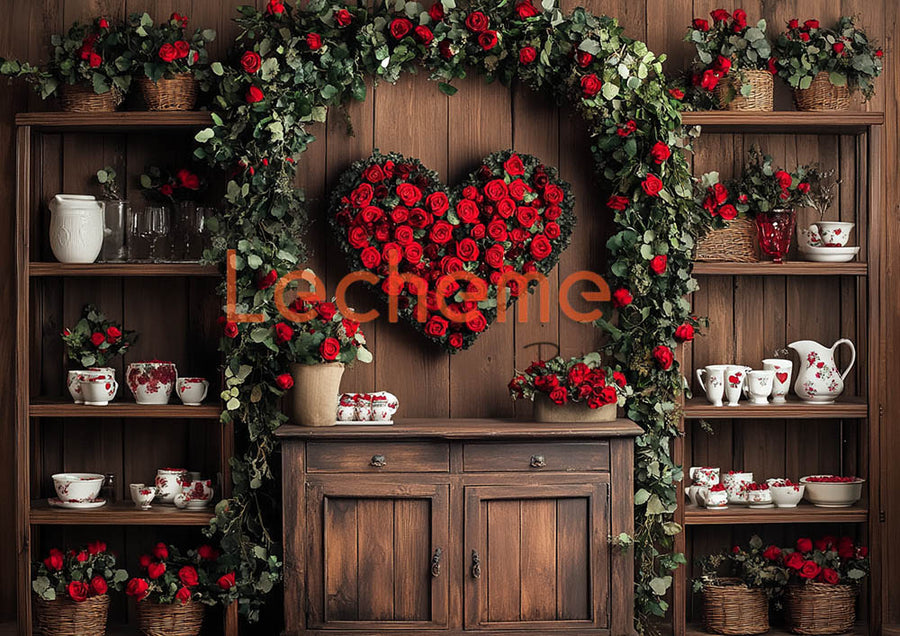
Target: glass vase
[{"x": 776, "y": 229}]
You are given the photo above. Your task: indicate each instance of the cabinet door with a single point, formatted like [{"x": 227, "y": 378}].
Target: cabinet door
[
  {"x": 377, "y": 555},
  {"x": 537, "y": 557}
]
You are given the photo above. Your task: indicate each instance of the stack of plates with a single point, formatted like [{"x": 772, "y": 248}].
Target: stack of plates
[{"x": 828, "y": 254}]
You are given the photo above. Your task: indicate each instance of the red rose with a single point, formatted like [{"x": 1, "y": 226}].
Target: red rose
[
  {"x": 629, "y": 127},
  {"x": 254, "y": 95},
  {"x": 226, "y": 581},
  {"x": 400, "y": 28},
  {"x": 663, "y": 356},
  {"x": 436, "y": 12},
  {"x": 700, "y": 24},
  {"x": 268, "y": 280},
  {"x": 188, "y": 179},
  {"x": 784, "y": 178},
  {"x": 527, "y": 55},
  {"x": 496, "y": 230},
  {"x": 97, "y": 338},
  {"x": 660, "y": 152},
  {"x": 167, "y": 53},
  {"x": 772, "y": 553},
  {"x": 183, "y": 48},
  {"x": 78, "y": 591},
  {"x": 350, "y": 327},
  {"x": 96, "y": 547},
  {"x": 103, "y": 23},
  {"x": 552, "y": 230},
  {"x": 803, "y": 187},
  {"x": 723, "y": 65},
  {"x": 343, "y": 17},
  {"x": 487, "y": 40},
  {"x": 526, "y": 216},
  {"x": 794, "y": 23},
  {"x": 373, "y": 174},
  {"x": 684, "y": 333},
  {"x": 99, "y": 586},
  {"x": 710, "y": 79},
  {"x": 283, "y": 332},
  {"x": 329, "y": 349},
  {"x": 846, "y": 551},
  {"x": 413, "y": 253},
  {"x": 208, "y": 553},
  {"x": 740, "y": 17},
  {"x": 403, "y": 234},
  {"x": 804, "y": 545},
  {"x": 82, "y": 556},
  {"x": 838, "y": 47},
  {"x": 583, "y": 58},
  {"x": 540, "y": 247},
  {"x": 559, "y": 395},
  {"x": 658, "y": 264},
  {"x": 879, "y": 53},
  {"x": 553, "y": 194},
  {"x": 436, "y": 326},
  {"x": 720, "y": 15},
  {"x": 676, "y": 93},
  {"x": 477, "y": 22},
  {"x": 804, "y": 37},
  {"x": 183, "y": 595},
  {"x": 55, "y": 561},
  {"x": 409, "y": 194},
  {"x": 494, "y": 256},
  {"x": 441, "y": 232},
  {"x": 156, "y": 570},
  {"x": 438, "y": 203},
  {"x": 810, "y": 570},
  {"x": 95, "y": 60},
  {"x": 525, "y": 10},
  {"x": 514, "y": 166},
  {"x": 617, "y": 202},
  {"x": 145, "y": 560},
  {"x": 496, "y": 190},
  {"x": 590, "y": 86},
  {"x": 830, "y": 576},
  {"x": 362, "y": 195},
  {"x": 652, "y": 185},
  {"x": 794, "y": 560},
  {"x": 467, "y": 211},
  {"x": 314, "y": 41},
  {"x": 455, "y": 340},
  {"x": 476, "y": 322},
  {"x": 467, "y": 250},
  {"x": 423, "y": 35},
  {"x": 284, "y": 381},
  {"x": 728, "y": 212},
  {"x": 137, "y": 588},
  {"x": 622, "y": 298},
  {"x": 478, "y": 231},
  {"x": 326, "y": 311},
  {"x": 446, "y": 49},
  {"x": 275, "y": 7},
  {"x": 811, "y": 24}
]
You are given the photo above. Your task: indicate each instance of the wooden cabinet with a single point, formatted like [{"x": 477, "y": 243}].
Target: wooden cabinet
[{"x": 485, "y": 526}]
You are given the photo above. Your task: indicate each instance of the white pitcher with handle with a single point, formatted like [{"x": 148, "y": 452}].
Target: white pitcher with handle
[
  {"x": 76, "y": 228},
  {"x": 818, "y": 380}
]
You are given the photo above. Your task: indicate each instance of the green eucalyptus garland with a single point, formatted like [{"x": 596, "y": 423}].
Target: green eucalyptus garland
[{"x": 295, "y": 63}]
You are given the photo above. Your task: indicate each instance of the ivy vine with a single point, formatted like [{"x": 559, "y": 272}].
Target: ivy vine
[{"x": 292, "y": 64}]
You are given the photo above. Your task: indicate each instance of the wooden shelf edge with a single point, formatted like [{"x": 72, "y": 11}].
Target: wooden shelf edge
[
  {"x": 804, "y": 513},
  {"x": 790, "y": 268},
  {"x": 118, "y": 514},
  {"x": 39, "y": 269},
  {"x": 849, "y": 408},
  {"x": 121, "y": 119},
  {"x": 68, "y": 409},
  {"x": 785, "y": 121}
]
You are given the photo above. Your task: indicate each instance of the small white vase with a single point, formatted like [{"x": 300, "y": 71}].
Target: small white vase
[{"x": 76, "y": 228}]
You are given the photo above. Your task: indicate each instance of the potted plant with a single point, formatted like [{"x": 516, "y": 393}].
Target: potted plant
[
  {"x": 825, "y": 65},
  {"x": 94, "y": 341},
  {"x": 737, "y": 586},
  {"x": 171, "y": 62},
  {"x": 173, "y": 589},
  {"x": 824, "y": 582},
  {"x": 734, "y": 61},
  {"x": 72, "y": 590},
  {"x": 89, "y": 70},
  {"x": 579, "y": 389}
]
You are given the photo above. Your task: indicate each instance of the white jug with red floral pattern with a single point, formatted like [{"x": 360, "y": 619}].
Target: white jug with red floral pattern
[{"x": 819, "y": 381}]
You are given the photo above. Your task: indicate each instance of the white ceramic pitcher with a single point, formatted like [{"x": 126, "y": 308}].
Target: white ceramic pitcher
[
  {"x": 818, "y": 379},
  {"x": 76, "y": 228}
]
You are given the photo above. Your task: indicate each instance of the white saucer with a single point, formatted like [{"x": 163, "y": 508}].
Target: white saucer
[
  {"x": 761, "y": 506},
  {"x": 828, "y": 254},
  {"x": 197, "y": 505},
  {"x": 76, "y": 505}
]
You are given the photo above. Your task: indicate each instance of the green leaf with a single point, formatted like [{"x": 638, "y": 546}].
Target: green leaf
[
  {"x": 641, "y": 497},
  {"x": 364, "y": 355},
  {"x": 447, "y": 89},
  {"x": 660, "y": 584},
  {"x": 204, "y": 135},
  {"x": 217, "y": 69},
  {"x": 609, "y": 90},
  {"x": 233, "y": 404}
]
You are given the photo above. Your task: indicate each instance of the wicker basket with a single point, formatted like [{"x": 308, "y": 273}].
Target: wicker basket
[
  {"x": 730, "y": 607},
  {"x": 761, "y": 91},
  {"x": 65, "y": 617},
  {"x": 822, "y": 95},
  {"x": 736, "y": 243},
  {"x": 75, "y": 98},
  {"x": 177, "y": 93},
  {"x": 819, "y": 608},
  {"x": 175, "y": 619}
]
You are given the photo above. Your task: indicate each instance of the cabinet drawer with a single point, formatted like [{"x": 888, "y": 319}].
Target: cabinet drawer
[
  {"x": 536, "y": 456},
  {"x": 377, "y": 457}
]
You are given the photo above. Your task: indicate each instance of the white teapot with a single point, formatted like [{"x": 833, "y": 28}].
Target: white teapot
[{"x": 76, "y": 228}]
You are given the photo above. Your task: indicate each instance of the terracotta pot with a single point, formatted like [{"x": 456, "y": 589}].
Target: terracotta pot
[
  {"x": 547, "y": 411},
  {"x": 315, "y": 393}
]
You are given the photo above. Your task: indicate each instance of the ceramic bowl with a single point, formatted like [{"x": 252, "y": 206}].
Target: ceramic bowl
[
  {"x": 192, "y": 391},
  {"x": 151, "y": 382},
  {"x": 76, "y": 487},
  {"x": 832, "y": 494},
  {"x": 787, "y": 496}
]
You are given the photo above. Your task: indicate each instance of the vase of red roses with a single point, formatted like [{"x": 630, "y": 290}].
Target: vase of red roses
[
  {"x": 320, "y": 344},
  {"x": 575, "y": 390},
  {"x": 72, "y": 590},
  {"x": 174, "y": 587},
  {"x": 824, "y": 583},
  {"x": 174, "y": 62}
]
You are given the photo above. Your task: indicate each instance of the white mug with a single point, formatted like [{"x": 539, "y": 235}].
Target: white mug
[
  {"x": 735, "y": 376},
  {"x": 192, "y": 391},
  {"x": 782, "y": 382},
  {"x": 758, "y": 385},
  {"x": 714, "y": 387},
  {"x": 98, "y": 391},
  {"x": 704, "y": 475},
  {"x": 712, "y": 499},
  {"x": 734, "y": 483},
  {"x": 830, "y": 233}
]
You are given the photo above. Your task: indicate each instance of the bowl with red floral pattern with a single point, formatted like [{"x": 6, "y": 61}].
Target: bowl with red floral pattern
[
  {"x": 832, "y": 491},
  {"x": 151, "y": 381}
]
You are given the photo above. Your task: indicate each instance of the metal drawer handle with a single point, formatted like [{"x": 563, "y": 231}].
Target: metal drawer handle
[
  {"x": 476, "y": 565},
  {"x": 378, "y": 461},
  {"x": 538, "y": 461},
  {"x": 436, "y": 562}
]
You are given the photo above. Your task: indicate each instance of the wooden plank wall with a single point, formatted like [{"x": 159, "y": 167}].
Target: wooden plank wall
[{"x": 450, "y": 135}]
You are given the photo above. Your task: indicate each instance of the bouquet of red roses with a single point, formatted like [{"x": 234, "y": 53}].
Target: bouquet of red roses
[
  {"x": 167, "y": 49},
  {"x": 162, "y": 185},
  {"x": 78, "y": 575},
  {"x": 827, "y": 560},
  {"x": 168, "y": 576},
  {"x": 752, "y": 564},
  {"x": 581, "y": 379},
  {"x": 94, "y": 340},
  {"x": 323, "y": 335}
]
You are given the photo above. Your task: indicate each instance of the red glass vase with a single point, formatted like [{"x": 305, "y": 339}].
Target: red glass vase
[{"x": 776, "y": 229}]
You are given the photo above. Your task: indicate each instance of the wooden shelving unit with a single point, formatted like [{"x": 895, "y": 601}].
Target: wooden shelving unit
[
  {"x": 757, "y": 307},
  {"x": 696, "y": 629},
  {"x": 173, "y": 306}
]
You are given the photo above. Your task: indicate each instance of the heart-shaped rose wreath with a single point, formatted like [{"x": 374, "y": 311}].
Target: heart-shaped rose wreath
[{"x": 394, "y": 218}]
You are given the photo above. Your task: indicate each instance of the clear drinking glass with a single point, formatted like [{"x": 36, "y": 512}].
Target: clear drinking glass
[
  {"x": 157, "y": 230},
  {"x": 182, "y": 222},
  {"x": 137, "y": 236},
  {"x": 195, "y": 233},
  {"x": 115, "y": 222}
]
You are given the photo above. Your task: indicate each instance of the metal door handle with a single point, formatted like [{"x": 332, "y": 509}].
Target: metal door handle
[
  {"x": 538, "y": 461},
  {"x": 476, "y": 565},
  {"x": 436, "y": 562},
  {"x": 378, "y": 461}
]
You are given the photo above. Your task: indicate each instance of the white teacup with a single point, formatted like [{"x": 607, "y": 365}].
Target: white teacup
[
  {"x": 781, "y": 385},
  {"x": 142, "y": 495},
  {"x": 363, "y": 403},
  {"x": 735, "y": 376},
  {"x": 714, "y": 387},
  {"x": 346, "y": 410},
  {"x": 830, "y": 233},
  {"x": 758, "y": 385},
  {"x": 713, "y": 498},
  {"x": 734, "y": 483},
  {"x": 98, "y": 391},
  {"x": 75, "y": 377},
  {"x": 384, "y": 405},
  {"x": 704, "y": 475},
  {"x": 192, "y": 391}
]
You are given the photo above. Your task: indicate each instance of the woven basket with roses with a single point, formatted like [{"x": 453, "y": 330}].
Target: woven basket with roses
[
  {"x": 94, "y": 341},
  {"x": 174, "y": 588},
  {"x": 172, "y": 63},
  {"x": 72, "y": 590}
]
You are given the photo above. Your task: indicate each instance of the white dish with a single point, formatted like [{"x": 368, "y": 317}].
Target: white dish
[
  {"x": 76, "y": 505},
  {"x": 828, "y": 254},
  {"x": 832, "y": 494},
  {"x": 77, "y": 486},
  {"x": 787, "y": 496}
]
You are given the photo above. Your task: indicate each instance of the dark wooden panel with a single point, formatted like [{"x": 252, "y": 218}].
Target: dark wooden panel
[
  {"x": 412, "y": 553},
  {"x": 375, "y": 556},
  {"x": 528, "y": 457},
  {"x": 359, "y": 457},
  {"x": 501, "y": 560},
  {"x": 341, "y": 559},
  {"x": 573, "y": 592},
  {"x": 539, "y": 560}
]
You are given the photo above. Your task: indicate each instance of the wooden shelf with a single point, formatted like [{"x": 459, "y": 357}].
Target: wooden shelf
[
  {"x": 789, "y": 268},
  {"x": 853, "y": 407},
  {"x": 697, "y": 630},
  {"x": 803, "y": 513},
  {"x": 137, "y": 120},
  {"x": 788, "y": 122},
  {"x": 121, "y": 269},
  {"x": 118, "y": 514},
  {"x": 66, "y": 408}
]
